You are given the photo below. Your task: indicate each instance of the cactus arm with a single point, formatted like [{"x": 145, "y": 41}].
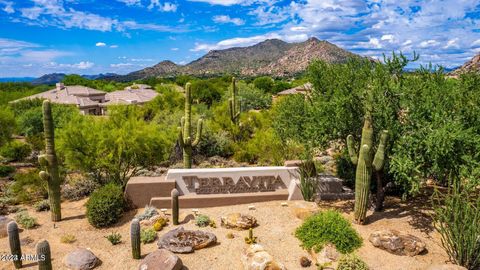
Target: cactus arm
[
  {"x": 351, "y": 150},
  {"x": 362, "y": 184},
  {"x": 180, "y": 137},
  {"x": 199, "y": 132},
  {"x": 379, "y": 159}
]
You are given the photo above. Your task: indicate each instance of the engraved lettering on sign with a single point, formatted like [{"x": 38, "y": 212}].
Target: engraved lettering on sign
[{"x": 224, "y": 185}]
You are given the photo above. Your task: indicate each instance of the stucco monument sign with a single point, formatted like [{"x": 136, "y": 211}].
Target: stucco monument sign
[{"x": 216, "y": 187}]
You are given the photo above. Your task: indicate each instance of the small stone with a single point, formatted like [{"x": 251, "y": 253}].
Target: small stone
[
  {"x": 396, "y": 243},
  {"x": 238, "y": 221},
  {"x": 256, "y": 258},
  {"x": 305, "y": 262},
  {"x": 161, "y": 259},
  {"x": 3, "y": 226},
  {"x": 81, "y": 259},
  {"x": 446, "y": 267}
]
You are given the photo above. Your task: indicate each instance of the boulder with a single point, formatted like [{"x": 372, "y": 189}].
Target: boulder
[
  {"x": 256, "y": 258},
  {"x": 396, "y": 243},
  {"x": 238, "y": 221},
  {"x": 3, "y": 226},
  {"x": 161, "y": 259},
  {"x": 185, "y": 241},
  {"x": 446, "y": 267},
  {"x": 152, "y": 220},
  {"x": 81, "y": 259}
]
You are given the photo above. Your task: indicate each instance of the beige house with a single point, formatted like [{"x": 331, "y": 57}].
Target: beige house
[
  {"x": 301, "y": 89},
  {"x": 93, "y": 101}
]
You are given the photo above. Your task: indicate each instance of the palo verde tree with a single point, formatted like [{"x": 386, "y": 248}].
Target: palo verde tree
[
  {"x": 185, "y": 130},
  {"x": 50, "y": 162}
]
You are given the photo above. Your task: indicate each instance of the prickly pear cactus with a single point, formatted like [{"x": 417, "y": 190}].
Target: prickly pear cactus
[
  {"x": 235, "y": 107},
  {"x": 365, "y": 165},
  {"x": 49, "y": 161},
  {"x": 44, "y": 255},
  {"x": 14, "y": 241},
  {"x": 135, "y": 238},
  {"x": 175, "y": 206},
  {"x": 185, "y": 131}
]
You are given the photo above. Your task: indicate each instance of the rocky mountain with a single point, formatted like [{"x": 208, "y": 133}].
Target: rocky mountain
[
  {"x": 51, "y": 78},
  {"x": 272, "y": 57},
  {"x": 472, "y": 65}
]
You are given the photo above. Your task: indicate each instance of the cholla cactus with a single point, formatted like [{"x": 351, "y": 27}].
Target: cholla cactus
[
  {"x": 365, "y": 164},
  {"x": 44, "y": 255},
  {"x": 49, "y": 161},
  {"x": 185, "y": 131},
  {"x": 135, "y": 238},
  {"x": 14, "y": 241},
  {"x": 234, "y": 106}
]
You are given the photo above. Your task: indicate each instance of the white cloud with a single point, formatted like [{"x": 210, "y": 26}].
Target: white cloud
[
  {"x": 233, "y": 42},
  {"x": 113, "y": 46},
  {"x": 100, "y": 44},
  {"x": 131, "y": 2},
  {"x": 169, "y": 7},
  {"x": 7, "y": 6},
  {"x": 222, "y": 2},
  {"x": 227, "y": 19},
  {"x": 119, "y": 65},
  {"x": 174, "y": 49},
  {"x": 83, "y": 65}
]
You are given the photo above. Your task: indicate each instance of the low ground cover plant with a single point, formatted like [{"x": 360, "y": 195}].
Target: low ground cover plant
[
  {"x": 105, "y": 206},
  {"x": 25, "y": 220},
  {"x": 351, "y": 262},
  {"x": 68, "y": 238},
  {"x": 43, "y": 205},
  {"x": 328, "y": 227},
  {"x": 114, "y": 238},
  {"x": 147, "y": 235}
]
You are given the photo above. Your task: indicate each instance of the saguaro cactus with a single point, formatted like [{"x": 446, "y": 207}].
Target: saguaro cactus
[
  {"x": 135, "y": 238},
  {"x": 365, "y": 164},
  {"x": 175, "y": 195},
  {"x": 185, "y": 131},
  {"x": 44, "y": 255},
  {"x": 234, "y": 106},
  {"x": 14, "y": 241},
  {"x": 49, "y": 161}
]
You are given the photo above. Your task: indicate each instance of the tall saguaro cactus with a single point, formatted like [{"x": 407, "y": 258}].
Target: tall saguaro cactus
[
  {"x": 175, "y": 195},
  {"x": 235, "y": 107},
  {"x": 185, "y": 130},
  {"x": 365, "y": 164},
  {"x": 14, "y": 242},
  {"x": 49, "y": 161},
  {"x": 135, "y": 238}
]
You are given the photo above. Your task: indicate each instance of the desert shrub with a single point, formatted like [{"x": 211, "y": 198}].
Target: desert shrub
[
  {"x": 15, "y": 151},
  {"x": 328, "y": 227},
  {"x": 43, "y": 205},
  {"x": 27, "y": 187},
  {"x": 264, "y": 83},
  {"x": 351, "y": 262},
  {"x": 114, "y": 238},
  {"x": 264, "y": 148},
  {"x": 215, "y": 144},
  {"x": 7, "y": 122},
  {"x": 147, "y": 235},
  {"x": 79, "y": 189},
  {"x": 6, "y": 170},
  {"x": 148, "y": 212},
  {"x": 202, "y": 220},
  {"x": 252, "y": 98},
  {"x": 30, "y": 117},
  {"x": 25, "y": 220},
  {"x": 345, "y": 168},
  {"x": 68, "y": 238},
  {"x": 37, "y": 142},
  {"x": 308, "y": 179},
  {"x": 206, "y": 92},
  {"x": 105, "y": 206},
  {"x": 457, "y": 218}
]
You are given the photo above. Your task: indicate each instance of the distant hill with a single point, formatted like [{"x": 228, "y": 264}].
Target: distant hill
[
  {"x": 17, "y": 79},
  {"x": 472, "y": 65},
  {"x": 272, "y": 57},
  {"x": 53, "y": 78}
]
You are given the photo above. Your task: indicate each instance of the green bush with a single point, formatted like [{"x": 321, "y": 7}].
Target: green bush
[
  {"x": 351, "y": 262},
  {"x": 27, "y": 187},
  {"x": 148, "y": 212},
  {"x": 457, "y": 218},
  {"x": 7, "y": 122},
  {"x": 147, "y": 235},
  {"x": 328, "y": 227},
  {"x": 105, "y": 206},
  {"x": 202, "y": 221},
  {"x": 114, "y": 238},
  {"x": 25, "y": 220},
  {"x": 264, "y": 83},
  {"x": 15, "y": 151},
  {"x": 6, "y": 170},
  {"x": 43, "y": 205}
]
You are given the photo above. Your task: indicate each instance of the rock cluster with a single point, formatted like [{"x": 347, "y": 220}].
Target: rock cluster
[
  {"x": 81, "y": 259},
  {"x": 186, "y": 241},
  {"x": 256, "y": 258},
  {"x": 397, "y": 243},
  {"x": 152, "y": 220},
  {"x": 238, "y": 221}
]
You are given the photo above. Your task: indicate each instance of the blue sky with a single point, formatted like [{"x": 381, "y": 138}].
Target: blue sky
[{"x": 90, "y": 37}]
